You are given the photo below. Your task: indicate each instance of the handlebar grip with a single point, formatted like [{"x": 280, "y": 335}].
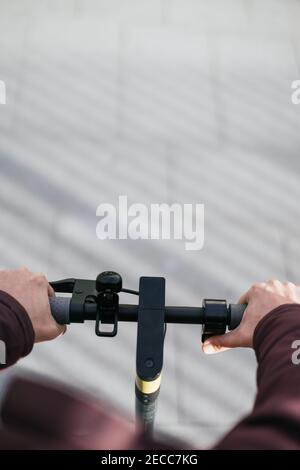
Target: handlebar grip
[
  {"x": 60, "y": 309},
  {"x": 236, "y": 312}
]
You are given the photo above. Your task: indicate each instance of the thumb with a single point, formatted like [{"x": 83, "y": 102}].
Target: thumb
[{"x": 220, "y": 343}]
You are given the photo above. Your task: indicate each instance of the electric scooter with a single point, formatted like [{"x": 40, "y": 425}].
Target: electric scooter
[{"x": 98, "y": 300}]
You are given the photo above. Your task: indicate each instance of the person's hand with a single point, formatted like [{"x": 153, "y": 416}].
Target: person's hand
[
  {"x": 261, "y": 298},
  {"x": 32, "y": 291}
]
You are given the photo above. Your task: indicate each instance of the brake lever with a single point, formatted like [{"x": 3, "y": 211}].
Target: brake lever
[{"x": 63, "y": 285}]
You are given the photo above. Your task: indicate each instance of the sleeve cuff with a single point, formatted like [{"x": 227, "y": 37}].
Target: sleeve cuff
[
  {"x": 20, "y": 322},
  {"x": 264, "y": 325}
]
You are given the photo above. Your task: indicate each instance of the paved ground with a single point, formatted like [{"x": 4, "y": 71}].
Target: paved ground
[{"x": 164, "y": 101}]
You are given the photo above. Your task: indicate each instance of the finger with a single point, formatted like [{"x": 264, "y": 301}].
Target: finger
[
  {"x": 60, "y": 330},
  {"x": 221, "y": 343},
  {"x": 39, "y": 278},
  {"x": 22, "y": 268},
  {"x": 63, "y": 329},
  {"x": 244, "y": 299},
  {"x": 38, "y": 274},
  {"x": 51, "y": 291},
  {"x": 274, "y": 282},
  {"x": 289, "y": 285}
]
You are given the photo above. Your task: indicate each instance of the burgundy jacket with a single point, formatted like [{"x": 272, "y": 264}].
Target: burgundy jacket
[{"x": 42, "y": 416}]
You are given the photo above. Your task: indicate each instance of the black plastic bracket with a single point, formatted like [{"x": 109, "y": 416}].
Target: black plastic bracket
[
  {"x": 151, "y": 325},
  {"x": 215, "y": 318},
  {"x": 107, "y": 313},
  {"x": 108, "y": 284}
]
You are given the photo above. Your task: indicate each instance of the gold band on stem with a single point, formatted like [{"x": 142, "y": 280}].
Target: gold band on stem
[{"x": 148, "y": 387}]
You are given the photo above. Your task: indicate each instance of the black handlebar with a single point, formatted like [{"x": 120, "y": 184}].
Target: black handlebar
[
  {"x": 61, "y": 306},
  {"x": 99, "y": 301}
]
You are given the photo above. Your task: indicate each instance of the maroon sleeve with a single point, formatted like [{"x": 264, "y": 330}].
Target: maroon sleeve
[
  {"x": 69, "y": 421},
  {"x": 274, "y": 422},
  {"x": 16, "y": 331}
]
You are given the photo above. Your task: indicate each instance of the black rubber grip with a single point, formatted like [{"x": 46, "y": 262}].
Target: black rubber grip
[
  {"x": 236, "y": 312},
  {"x": 60, "y": 309}
]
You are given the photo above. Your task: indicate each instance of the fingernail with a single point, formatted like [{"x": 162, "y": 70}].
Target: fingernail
[{"x": 208, "y": 348}]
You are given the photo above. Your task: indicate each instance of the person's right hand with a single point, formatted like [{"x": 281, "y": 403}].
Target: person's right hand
[
  {"x": 261, "y": 299},
  {"x": 32, "y": 291}
]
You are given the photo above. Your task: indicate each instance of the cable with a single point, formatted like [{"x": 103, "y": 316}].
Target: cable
[{"x": 130, "y": 291}]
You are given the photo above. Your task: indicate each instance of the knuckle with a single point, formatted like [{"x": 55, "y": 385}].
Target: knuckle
[
  {"x": 22, "y": 269},
  {"x": 255, "y": 288},
  {"x": 289, "y": 284},
  {"x": 39, "y": 279}
]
